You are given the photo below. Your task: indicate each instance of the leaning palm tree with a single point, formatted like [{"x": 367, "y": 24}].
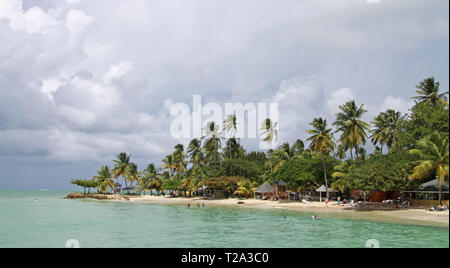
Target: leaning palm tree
[
  {"x": 120, "y": 166},
  {"x": 353, "y": 130},
  {"x": 433, "y": 151},
  {"x": 428, "y": 91},
  {"x": 321, "y": 142}
]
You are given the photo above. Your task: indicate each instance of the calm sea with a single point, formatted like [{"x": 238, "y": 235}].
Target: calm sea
[{"x": 52, "y": 221}]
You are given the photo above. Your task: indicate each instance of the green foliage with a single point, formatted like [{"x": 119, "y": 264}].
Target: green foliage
[
  {"x": 305, "y": 172},
  {"x": 422, "y": 122},
  {"x": 379, "y": 173}
]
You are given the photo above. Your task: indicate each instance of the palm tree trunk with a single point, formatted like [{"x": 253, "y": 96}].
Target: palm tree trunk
[
  {"x": 440, "y": 192},
  {"x": 325, "y": 176},
  {"x": 126, "y": 184}
]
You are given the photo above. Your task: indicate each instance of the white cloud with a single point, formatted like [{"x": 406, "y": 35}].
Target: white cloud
[
  {"x": 337, "y": 98},
  {"x": 76, "y": 22},
  {"x": 51, "y": 85},
  {"x": 396, "y": 103},
  {"x": 117, "y": 71},
  {"x": 113, "y": 68},
  {"x": 34, "y": 20}
]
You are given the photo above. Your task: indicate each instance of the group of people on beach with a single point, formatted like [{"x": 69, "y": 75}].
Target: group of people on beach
[{"x": 198, "y": 205}]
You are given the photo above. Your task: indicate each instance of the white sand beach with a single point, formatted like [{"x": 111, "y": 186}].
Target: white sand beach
[{"x": 413, "y": 215}]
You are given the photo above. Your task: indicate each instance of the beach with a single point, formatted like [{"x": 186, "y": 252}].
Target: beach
[{"x": 412, "y": 215}]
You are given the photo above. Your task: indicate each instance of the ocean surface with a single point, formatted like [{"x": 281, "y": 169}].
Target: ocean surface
[{"x": 52, "y": 221}]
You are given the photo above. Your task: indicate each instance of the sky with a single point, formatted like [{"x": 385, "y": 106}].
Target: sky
[{"x": 81, "y": 81}]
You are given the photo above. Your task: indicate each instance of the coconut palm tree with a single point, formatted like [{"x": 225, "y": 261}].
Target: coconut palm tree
[
  {"x": 132, "y": 174},
  {"x": 195, "y": 153},
  {"x": 169, "y": 164},
  {"x": 428, "y": 91},
  {"x": 433, "y": 151},
  {"x": 120, "y": 166},
  {"x": 380, "y": 131},
  {"x": 230, "y": 127},
  {"x": 179, "y": 158},
  {"x": 269, "y": 130},
  {"x": 298, "y": 147},
  {"x": 386, "y": 129},
  {"x": 212, "y": 142},
  {"x": 321, "y": 142},
  {"x": 148, "y": 174},
  {"x": 353, "y": 130},
  {"x": 105, "y": 178}
]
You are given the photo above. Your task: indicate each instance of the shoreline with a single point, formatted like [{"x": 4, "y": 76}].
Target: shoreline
[{"x": 413, "y": 215}]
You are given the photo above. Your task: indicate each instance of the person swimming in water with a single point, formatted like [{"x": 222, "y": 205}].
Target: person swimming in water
[
  {"x": 189, "y": 205},
  {"x": 315, "y": 217}
]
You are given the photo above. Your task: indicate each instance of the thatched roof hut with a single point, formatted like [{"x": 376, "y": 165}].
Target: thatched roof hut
[{"x": 265, "y": 188}]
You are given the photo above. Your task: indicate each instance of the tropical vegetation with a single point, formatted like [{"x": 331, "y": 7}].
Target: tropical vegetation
[{"x": 392, "y": 152}]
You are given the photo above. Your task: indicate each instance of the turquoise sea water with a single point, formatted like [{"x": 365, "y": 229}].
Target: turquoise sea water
[{"x": 53, "y": 220}]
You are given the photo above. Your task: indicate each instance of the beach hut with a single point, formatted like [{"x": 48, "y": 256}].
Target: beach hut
[
  {"x": 428, "y": 193},
  {"x": 264, "y": 191},
  {"x": 322, "y": 189}
]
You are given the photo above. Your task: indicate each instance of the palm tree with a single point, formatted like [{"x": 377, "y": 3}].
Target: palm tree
[
  {"x": 433, "y": 151},
  {"x": 105, "y": 178},
  {"x": 212, "y": 142},
  {"x": 386, "y": 129},
  {"x": 380, "y": 131},
  {"x": 352, "y": 128},
  {"x": 230, "y": 127},
  {"x": 169, "y": 164},
  {"x": 149, "y": 174},
  {"x": 132, "y": 174},
  {"x": 179, "y": 158},
  {"x": 321, "y": 142},
  {"x": 195, "y": 153},
  {"x": 121, "y": 164},
  {"x": 298, "y": 147},
  {"x": 428, "y": 91},
  {"x": 269, "y": 130}
]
